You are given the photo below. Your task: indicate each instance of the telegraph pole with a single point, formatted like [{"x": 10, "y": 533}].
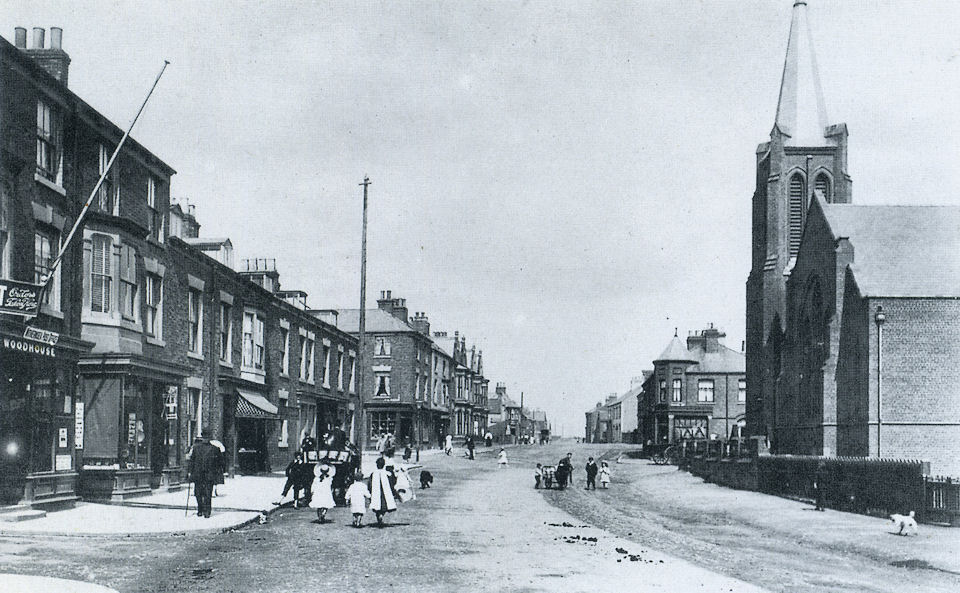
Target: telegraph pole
[{"x": 361, "y": 437}]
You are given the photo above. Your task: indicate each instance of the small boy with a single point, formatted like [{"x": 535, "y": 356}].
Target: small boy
[
  {"x": 538, "y": 475},
  {"x": 357, "y": 495}
]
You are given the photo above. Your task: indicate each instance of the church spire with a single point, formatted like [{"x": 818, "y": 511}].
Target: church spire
[{"x": 801, "y": 113}]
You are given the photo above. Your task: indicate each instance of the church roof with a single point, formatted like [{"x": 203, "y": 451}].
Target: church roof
[
  {"x": 676, "y": 351},
  {"x": 801, "y": 112},
  {"x": 901, "y": 251}
]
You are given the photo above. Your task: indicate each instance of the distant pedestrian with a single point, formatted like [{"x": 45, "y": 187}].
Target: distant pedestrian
[
  {"x": 567, "y": 464},
  {"x": 382, "y": 495},
  {"x": 470, "y": 447},
  {"x": 357, "y": 495},
  {"x": 819, "y": 483},
  {"x": 592, "y": 470},
  {"x": 604, "y": 474},
  {"x": 205, "y": 462},
  {"x": 488, "y": 438},
  {"x": 448, "y": 444},
  {"x": 323, "y": 490},
  {"x": 502, "y": 458},
  {"x": 538, "y": 476},
  {"x": 407, "y": 452}
]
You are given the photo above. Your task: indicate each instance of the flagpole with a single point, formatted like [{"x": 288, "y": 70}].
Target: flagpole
[{"x": 96, "y": 188}]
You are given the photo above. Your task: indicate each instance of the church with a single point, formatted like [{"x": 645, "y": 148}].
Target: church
[{"x": 850, "y": 309}]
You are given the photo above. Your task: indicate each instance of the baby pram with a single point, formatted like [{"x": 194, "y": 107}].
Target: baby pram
[{"x": 549, "y": 476}]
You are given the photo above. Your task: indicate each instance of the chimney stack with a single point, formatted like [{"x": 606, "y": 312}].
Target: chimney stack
[
  {"x": 52, "y": 59},
  {"x": 420, "y": 323}
]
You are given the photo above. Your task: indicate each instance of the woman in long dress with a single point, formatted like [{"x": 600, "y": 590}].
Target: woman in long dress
[
  {"x": 382, "y": 495},
  {"x": 322, "y": 490}
]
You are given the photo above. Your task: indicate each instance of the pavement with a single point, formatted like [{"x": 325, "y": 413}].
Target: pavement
[
  {"x": 239, "y": 501},
  {"x": 19, "y": 583}
]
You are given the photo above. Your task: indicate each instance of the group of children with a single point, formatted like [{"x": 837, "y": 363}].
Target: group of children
[{"x": 592, "y": 473}]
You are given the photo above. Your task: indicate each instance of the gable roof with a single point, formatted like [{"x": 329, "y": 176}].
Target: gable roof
[
  {"x": 901, "y": 251},
  {"x": 348, "y": 320}
]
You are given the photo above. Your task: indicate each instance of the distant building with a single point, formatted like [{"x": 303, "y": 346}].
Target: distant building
[{"x": 696, "y": 391}]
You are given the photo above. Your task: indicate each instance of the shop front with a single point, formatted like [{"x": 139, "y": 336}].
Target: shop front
[
  {"x": 132, "y": 442},
  {"x": 396, "y": 420},
  {"x": 38, "y": 416},
  {"x": 251, "y": 421}
]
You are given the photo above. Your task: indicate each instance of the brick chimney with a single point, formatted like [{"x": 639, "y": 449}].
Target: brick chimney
[
  {"x": 53, "y": 59},
  {"x": 707, "y": 340},
  {"x": 420, "y": 323},
  {"x": 501, "y": 389}
]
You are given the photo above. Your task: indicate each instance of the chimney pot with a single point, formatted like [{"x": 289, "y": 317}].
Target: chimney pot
[
  {"x": 389, "y": 295},
  {"x": 56, "y": 38},
  {"x": 38, "y": 33},
  {"x": 20, "y": 37}
]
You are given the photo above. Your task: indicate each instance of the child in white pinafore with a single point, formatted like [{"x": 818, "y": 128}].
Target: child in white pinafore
[
  {"x": 502, "y": 458},
  {"x": 604, "y": 474},
  {"x": 357, "y": 495}
]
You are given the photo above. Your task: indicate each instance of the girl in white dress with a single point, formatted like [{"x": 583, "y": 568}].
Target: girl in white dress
[
  {"x": 322, "y": 490},
  {"x": 502, "y": 458},
  {"x": 604, "y": 474},
  {"x": 357, "y": 495}
]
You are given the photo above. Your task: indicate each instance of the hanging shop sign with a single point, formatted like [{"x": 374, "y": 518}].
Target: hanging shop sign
[
  {"x": 78, "y": 427},
  {"x": 41, "y": 335},
  {"x": 170, "y": 402},
  {"x": 19, "y": 298}
]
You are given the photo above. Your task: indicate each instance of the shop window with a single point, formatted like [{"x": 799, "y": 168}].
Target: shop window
[
  {"x": 136, "y": 425},
  {"x": 705, "y": 389},
  {"x": 49, "y": 140},
  {"x": 677, "y": 391},
  {"x": 194, "y": 320},
  {"x": 381, "y": 423},
  {"x": 153, "y": 297},
  {"x": 253, "y": 328},
  {"x": 100, "y": 274},
  {"x": 742, "y": 391},
  {"x": 128, "y": 282},
  {"x": 46, "y": 246},
  {"x": 383, "y": 385}
]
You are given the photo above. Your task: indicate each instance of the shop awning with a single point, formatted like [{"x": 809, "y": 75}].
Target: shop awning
[{"x": 254, "y": 405}]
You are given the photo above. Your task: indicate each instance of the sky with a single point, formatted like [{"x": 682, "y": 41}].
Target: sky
[{"x": 563, "y": 182}]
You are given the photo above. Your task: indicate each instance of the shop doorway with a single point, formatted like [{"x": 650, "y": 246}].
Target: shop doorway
[{"x": 251, "y": 445}]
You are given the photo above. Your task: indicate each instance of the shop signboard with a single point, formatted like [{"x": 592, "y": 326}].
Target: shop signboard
[
  {"x": 63, "y": 438},
  {"x": 78, "y": 427},
  {"x": 19, "y": 298},
  {"x": 171, "y": 402},
  {"x": 41, "y": 335}
]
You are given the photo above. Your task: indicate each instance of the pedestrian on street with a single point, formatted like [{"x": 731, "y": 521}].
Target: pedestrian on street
[
  {"x": 502, "y": 458},
  {"x": 819, "y": 483},
  {"x": 488, "y": 438},
  {"x": 567, "y": 464},
  {"x": 470, "y": 446},
  {"x": 205, "y": 462},
  {"x": 382, "y": 495},
  {"x": 381, "y": 439},
  {"x": 448, "y": 444},
  {"x": 223, "y": 465},
  {"x": 538, "y": 476},
  {"x": 357, "y": 495},
  {"x": 592, "y": 470},
  {"x": 294, "y": 473},
  {"x": 604, "y": 474},
  {"x": 323, "y": 490}
]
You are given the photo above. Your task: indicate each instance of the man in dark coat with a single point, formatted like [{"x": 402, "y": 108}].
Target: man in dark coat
[
  {"x": 205, "y": 464},
  {"x": 592, "y": 470},
  {"x": 567, "y": 464},
  {"x": 470, "y": 446}
]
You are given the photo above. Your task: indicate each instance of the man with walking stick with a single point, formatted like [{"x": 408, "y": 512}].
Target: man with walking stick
[{"x": 203, "y": 467}]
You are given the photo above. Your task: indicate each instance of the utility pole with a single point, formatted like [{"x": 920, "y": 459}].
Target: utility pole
[{"x": 361, "y": 436}]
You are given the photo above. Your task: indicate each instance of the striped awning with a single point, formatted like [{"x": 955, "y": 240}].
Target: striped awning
[{"x": 254, "y": 405}]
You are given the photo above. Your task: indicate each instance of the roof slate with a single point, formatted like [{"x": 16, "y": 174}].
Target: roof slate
[
  {"x": 901, "y": 251},
  {"x": 348, "y": 320}
]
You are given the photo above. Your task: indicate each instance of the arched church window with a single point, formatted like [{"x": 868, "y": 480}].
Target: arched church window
[
  {"x": 822, "y": 185},
  {"x": 795, "y": 212}
]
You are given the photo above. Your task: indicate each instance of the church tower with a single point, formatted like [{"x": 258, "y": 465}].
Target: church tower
[{"x": 804, "y": 155}]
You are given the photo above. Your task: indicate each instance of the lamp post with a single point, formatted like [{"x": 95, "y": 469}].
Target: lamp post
[{"x": 880, "y": 319}]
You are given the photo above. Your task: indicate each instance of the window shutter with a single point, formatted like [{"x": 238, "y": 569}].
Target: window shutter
[{"x": 796, "y": 213}]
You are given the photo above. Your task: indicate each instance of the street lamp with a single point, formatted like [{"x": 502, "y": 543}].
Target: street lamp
[{"x": 880, "y": 319}]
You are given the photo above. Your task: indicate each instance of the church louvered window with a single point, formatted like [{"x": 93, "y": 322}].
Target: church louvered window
[
  {"x": 796, "y": 204},
  {"x": 822, "y": 186}
]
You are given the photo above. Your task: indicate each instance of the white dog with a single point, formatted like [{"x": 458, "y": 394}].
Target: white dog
[{"x": 905, "y": 523}]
